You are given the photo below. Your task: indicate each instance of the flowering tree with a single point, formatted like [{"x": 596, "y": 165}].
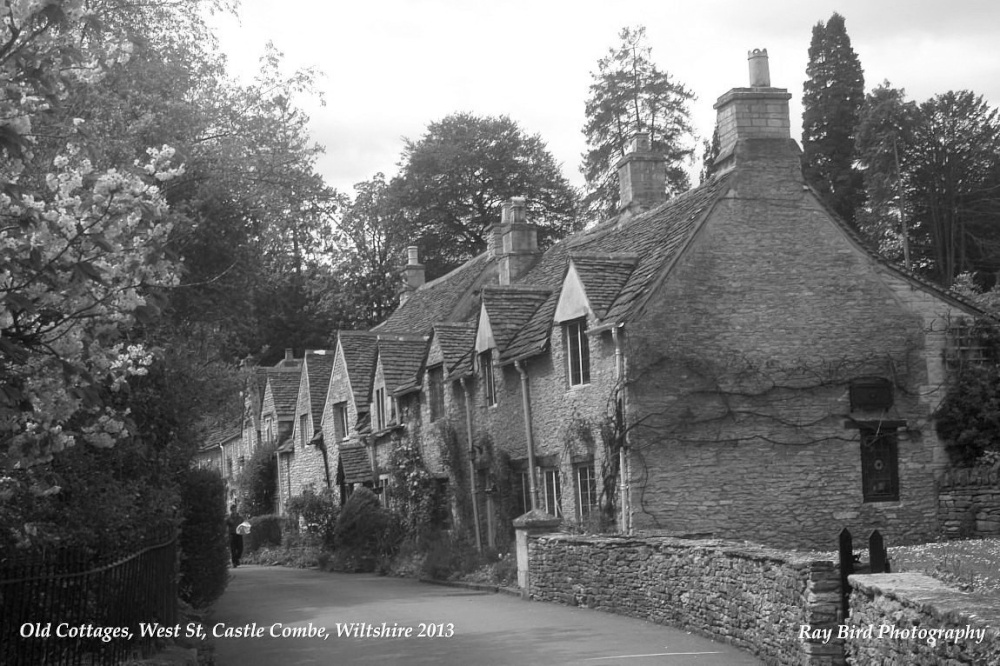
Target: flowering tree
[{"x": 80, "y": 248}]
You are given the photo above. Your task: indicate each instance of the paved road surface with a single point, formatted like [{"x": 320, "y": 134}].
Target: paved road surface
[{"x": 479, "y": 628}]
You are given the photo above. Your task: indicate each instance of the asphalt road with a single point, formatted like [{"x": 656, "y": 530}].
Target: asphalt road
[{"x": 460, "y": 626}]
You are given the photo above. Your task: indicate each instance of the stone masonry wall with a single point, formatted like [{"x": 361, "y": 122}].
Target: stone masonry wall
[
  {"x": 741, "y": 367},
  {"x": 969, "y": 503},
  {"x": 750, "y": 596},
  {"x": 912, "y": 619}
]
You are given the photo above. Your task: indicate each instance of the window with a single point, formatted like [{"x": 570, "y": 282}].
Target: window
[
  {"x": 303, "y": 421},
  {"x": 268, "y": 430},
  {"x": 553, "y": 494},
  {"x": 879, "y": 468},
  {"x": 489, "y": 383},
  {"x": 341, "y": 427},
  {"x": 229, "y": 465},
  {"x": 522, "y": 494},
  {"x": 435, "y": 387},
  {"x": 586, "y": 492},
  {"x": 577, "y": 352},
  {"x": 382, "y": 490},
  {"x": 381, "y": 410}
]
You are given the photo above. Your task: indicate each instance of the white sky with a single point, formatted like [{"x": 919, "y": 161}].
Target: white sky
[{"x": 393, "y": 66}]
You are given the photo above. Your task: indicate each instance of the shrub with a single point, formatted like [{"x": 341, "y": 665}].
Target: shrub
[
  {"x": 264, "y": 531},
  {"x": 258, "y": 482},
  {"x": 204, "y": 540},
  {"x": 361, "y": 529},
  {"x": 317, "y": 513},
  {"x": 968, "y": 419}
]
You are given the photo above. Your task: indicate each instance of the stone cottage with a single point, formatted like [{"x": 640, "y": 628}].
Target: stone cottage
[{"x": 733, "y": 361}]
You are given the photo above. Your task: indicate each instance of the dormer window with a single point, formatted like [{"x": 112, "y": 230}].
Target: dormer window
[
  {"x": 577, "y": 352},
  {"x": 382, "y": 409},
  {"x": 435, "y": 390},
  {"x": 489, "y": 381}
]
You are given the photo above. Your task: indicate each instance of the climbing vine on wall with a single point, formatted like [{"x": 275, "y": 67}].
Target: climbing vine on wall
[{"x": 413, "y": 491}]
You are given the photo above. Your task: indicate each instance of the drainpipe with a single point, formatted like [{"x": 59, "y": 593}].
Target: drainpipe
[
  {"x": 526, "y": 407},
  {"x": 623, "y": 460},
  {"x": 472, "y": 465}
]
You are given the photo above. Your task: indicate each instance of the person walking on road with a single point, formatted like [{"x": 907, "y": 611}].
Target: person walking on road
[{"x": 233, "y": 522}]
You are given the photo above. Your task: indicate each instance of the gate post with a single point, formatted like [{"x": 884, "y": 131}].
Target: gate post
[{"x": 533, "y": 523}]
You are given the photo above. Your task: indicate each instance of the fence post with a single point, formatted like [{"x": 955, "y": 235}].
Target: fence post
[
  {"x": 846, "y": 569},
  {"x": 877, "y": 553}
]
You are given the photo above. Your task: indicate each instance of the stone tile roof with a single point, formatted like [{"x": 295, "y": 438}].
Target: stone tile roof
[
  {"x": 355, "y": 465},
  {"x": 359, "y": 356},
  {"x": 319, "y": 367},
  {"x": 510, "y": 308},
  {"x": 457, "y": 341},
  {"x": 654, "y": 238},
  {"x": 221, "y": 435},
  {"x": 401, "y": 358},
  {"x": 285, "y": 389},
  {"x": 449, "y": 298},
  {"x": 603, "y": 277}
]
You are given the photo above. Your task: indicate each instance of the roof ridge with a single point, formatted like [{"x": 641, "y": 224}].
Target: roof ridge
[{"x": 614, "y": 257}]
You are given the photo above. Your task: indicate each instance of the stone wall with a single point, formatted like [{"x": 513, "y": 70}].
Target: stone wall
[
  {"x": 905, "y": 619},
  {"x": 969, "y": 503},
  {"x": 750, "y": 596}
]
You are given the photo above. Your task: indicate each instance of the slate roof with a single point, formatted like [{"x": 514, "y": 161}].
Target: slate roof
[
  {"x": 285, "y": 389},
  {"x": 401, "y": 358},
  {"x": 359, "y": 356},
  {"x": 355, "y": 464},
  {"x": 444, "y": 299},
  {"x": 319, "y": 367}
]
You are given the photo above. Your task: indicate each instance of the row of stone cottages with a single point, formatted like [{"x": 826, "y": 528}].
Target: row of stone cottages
[{"x": 733, "y": 362}]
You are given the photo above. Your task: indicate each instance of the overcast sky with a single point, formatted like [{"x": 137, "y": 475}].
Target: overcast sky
[{"x": 392, "y": 66}]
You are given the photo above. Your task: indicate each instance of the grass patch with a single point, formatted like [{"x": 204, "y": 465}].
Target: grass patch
[{"x": 971, "y": 566}]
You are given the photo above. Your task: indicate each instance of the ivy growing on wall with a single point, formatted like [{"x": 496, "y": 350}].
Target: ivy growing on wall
[{"x": 413, "y": 492}]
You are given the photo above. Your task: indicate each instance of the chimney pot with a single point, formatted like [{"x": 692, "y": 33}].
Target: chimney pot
[
  {"x": 412, "y": 256},
  {"x": 289, "y": 354},
  {"x": 760, "y": 71}
]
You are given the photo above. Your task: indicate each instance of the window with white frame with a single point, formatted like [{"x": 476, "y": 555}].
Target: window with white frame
[
  {"x": 268, "y": 430},
  {"x": 435, "y": 390},
  {"x": 303, "y": 421},
  {"x": 577, "y": 352},
  {"x": 489, "y": 382},
  {"x": 341, "y": 428},
  {"x": 381, "y": 411},
  {"x": 553, "y": 493},
  {"x": 586, "y": 491}
]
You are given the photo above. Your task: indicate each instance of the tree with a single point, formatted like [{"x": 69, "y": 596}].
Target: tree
[
  {"x": 454, "y": 180},
  {"x": 630, "y": 93},
  {"x": 937, "y": 167},
  {"x": 371, "y": 235},
  {"x": 834, "y": 93},
  {"x": 884, "y": 134}
]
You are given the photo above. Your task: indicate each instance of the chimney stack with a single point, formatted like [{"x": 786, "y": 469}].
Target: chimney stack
[
  {"x": 517, "y": 249},
  {"x": 757, "y": 112},
  {"x": 642, "y": 175},
  {"x": 413, "y": 274}
]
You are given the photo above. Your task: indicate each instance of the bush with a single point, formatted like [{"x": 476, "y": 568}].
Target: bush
[
  {"x": 204, "y": 540},
  {"x": 968, "y": 419},
  {"x": 264, "y": 531},
  {"x": 361, "y": 530},
  {"x": 258, "y": 482},
  {"x": 317, "y": 513}
]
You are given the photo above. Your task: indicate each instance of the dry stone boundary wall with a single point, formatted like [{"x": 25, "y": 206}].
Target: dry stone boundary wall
[
  {"x": 969, "y": 503},
  {"x": 753, "y": 597}
]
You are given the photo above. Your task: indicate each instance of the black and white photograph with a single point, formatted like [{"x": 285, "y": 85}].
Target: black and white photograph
[{"x": 499, "y": 333}]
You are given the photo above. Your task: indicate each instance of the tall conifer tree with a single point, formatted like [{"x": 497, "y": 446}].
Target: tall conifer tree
[{"x": 833, "y": 96}]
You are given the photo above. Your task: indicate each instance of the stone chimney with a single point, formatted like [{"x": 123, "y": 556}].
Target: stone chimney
[
  {"x": 413, "y": 274},
  {"x": 642, "y": 175},
  {"x": 516, "y": 241},
  {"x": 757, "y": 112}
]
